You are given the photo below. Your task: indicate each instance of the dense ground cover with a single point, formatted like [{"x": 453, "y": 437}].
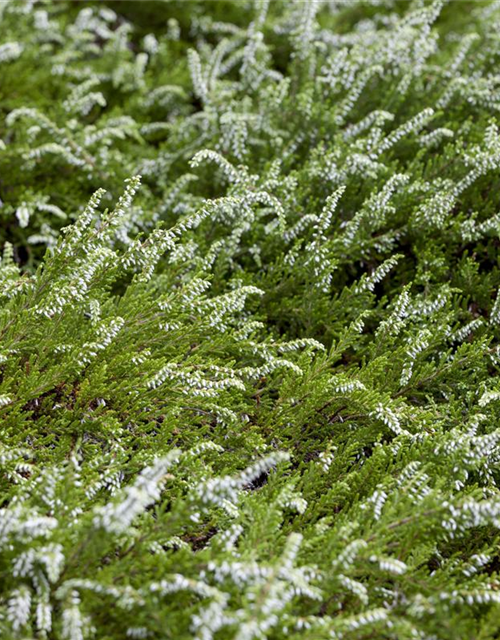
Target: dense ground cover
[{"x": 249, "y": 320}]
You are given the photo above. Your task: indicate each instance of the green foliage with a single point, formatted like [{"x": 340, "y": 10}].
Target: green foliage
[{"x": 249, "y": 320}]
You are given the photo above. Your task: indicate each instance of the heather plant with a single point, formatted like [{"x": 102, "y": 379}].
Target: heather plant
[{"x": 249, "y": 320}]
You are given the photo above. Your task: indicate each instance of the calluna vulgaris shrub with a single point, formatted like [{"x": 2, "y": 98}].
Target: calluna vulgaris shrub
[{"x": 250, "y": 321}]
